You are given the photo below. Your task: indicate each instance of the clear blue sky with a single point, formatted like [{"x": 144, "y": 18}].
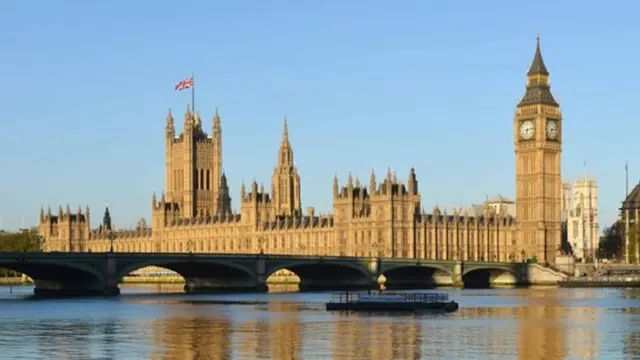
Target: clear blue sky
[{"x": 364, "y": 84}]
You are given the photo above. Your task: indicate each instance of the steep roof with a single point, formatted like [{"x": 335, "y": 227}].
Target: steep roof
[
  {"x": 537, "y": 66},
  {"x": 538, "y": 92},
  {"x": 633, "y": 199}
]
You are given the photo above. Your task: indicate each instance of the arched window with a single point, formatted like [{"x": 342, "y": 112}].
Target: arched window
[{"x": 208, "y": 180}]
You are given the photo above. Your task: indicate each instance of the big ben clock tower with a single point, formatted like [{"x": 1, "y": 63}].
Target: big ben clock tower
[{"x": 538, "y": 145}]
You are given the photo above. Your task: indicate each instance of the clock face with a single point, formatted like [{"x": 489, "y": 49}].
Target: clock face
[
  {"x": 552, "y": 130},
  {"x": 527, "y": 130}
]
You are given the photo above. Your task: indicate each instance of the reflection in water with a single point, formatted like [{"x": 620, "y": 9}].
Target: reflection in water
[
  {"x": 191, "y": 338},
  {"x": 366, "y": 337},
  {"x": 495, "y": 324},
  {"x": 541, "y": 333}
]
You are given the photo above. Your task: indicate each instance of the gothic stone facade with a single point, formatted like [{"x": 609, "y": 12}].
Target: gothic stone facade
[
  {"x": 580, "y": 209},
  {"x": 382, "y": 219}
]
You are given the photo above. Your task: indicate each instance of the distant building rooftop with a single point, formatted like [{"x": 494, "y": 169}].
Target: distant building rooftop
[{"x": 498, "y": 203}]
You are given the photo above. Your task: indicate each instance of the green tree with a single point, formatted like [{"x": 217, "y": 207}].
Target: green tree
[
  {"x": 26, "y": 240},
  {"x": 634, "y": 242},
  {"x": 611, "y": 242}
]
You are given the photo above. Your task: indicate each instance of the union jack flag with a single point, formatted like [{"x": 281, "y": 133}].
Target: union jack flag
[{"x": 185, "y": 84}]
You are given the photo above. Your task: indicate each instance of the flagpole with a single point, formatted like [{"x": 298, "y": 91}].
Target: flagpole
[{"x": 193, "y": 93}]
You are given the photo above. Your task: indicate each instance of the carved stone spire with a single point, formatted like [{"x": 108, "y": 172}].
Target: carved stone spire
[
  {"x": 285, "y": 132},
  {"x": 224, "y": 200},
  {"x": 188, "y": 119},
  {"x": 372, "y": 181},
  {"x": 216, "y": 121},
  {"x": 197, "y": 121},
  {"x": 106, "y": 219},
  {"x": 412, "y": 182},
  {"x": 170, "y": 123}
]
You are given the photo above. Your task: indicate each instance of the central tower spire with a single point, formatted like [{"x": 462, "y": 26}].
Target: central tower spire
[
  {"x": 285, "y": 183},
  {"x": 538, "y": 87}
]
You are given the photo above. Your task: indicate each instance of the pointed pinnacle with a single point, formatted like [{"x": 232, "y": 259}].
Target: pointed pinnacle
[{"x": 285, "y": 131}]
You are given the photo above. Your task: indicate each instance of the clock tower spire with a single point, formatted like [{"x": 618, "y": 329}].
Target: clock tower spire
[{"x": 538, "y": 146}]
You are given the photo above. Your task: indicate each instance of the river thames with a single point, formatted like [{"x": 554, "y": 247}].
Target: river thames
[{"x": 150, "y": 322}]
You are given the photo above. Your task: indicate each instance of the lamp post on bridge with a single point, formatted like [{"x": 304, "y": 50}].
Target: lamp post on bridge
[
  {"x": 261, "y": 241},
  {"x": 112, "y": 237},
  {"x": 190, "y": 246}
]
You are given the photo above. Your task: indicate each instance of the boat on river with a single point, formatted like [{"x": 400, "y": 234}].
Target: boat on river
[{"x": 437, "y": 302}]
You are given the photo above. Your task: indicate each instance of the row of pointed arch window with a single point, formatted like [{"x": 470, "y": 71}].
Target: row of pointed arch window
[{"x": 202, "y": 179}]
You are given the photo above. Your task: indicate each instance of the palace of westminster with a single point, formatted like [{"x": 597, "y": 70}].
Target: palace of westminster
[{"x": 383, "y": 218}]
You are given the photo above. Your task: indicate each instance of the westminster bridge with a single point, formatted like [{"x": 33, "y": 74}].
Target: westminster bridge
[{"x": 58, "y": 273}]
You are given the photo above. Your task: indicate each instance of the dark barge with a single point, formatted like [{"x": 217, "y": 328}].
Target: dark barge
[{"x": 431, "y": 302}]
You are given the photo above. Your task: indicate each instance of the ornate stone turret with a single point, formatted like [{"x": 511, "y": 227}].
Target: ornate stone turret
[
  {"x": 285, "y": 183},
  {"x": 106, "y": 220},
  {"x": 188, "y": 120},
  {"x": 197, "y": 121},
  {"x": 224, "y": 200},
  {"x": 372, "y": 182},
  {"x": 412, "y": 182},
  {"x": 170, "y": 127}
]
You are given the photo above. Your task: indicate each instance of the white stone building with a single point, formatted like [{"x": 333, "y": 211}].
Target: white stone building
[{"x": 580, "y": 210}]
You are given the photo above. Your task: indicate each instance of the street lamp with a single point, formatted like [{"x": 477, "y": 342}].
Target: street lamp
[
  {"x": 40, "y": 239},
  {"x": 261, "y": 241},
  {"x": 112, "y": 237}
]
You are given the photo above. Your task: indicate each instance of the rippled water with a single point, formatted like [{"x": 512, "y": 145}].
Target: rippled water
[{"x": 491, "y": 324}]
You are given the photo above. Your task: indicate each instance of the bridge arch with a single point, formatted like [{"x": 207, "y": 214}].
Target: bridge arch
[
  {"x": 201, "y": 274},
  {"x": 326, "y": 275},
  {"x": 53, "y": 270},
  {"x": 53, "y": 277},
  {"x": 490, "y": 276},
  {"x": 415, "y": 276}
]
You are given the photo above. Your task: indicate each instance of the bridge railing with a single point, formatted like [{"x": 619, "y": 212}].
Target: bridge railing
[
  {"x": 236, "y": 256},
  {"x": 604, "y": 279}
]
